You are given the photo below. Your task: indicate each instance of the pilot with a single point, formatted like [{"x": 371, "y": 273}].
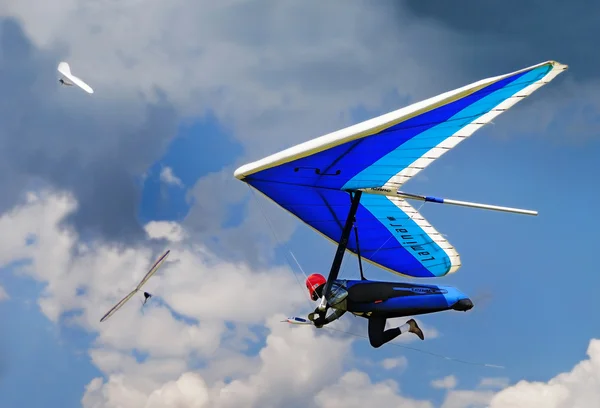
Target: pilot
[{"x": 339, "y": 301}]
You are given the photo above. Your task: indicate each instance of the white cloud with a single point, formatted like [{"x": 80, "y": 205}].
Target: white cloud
[
  {"x": 391, "y": 363},
  {"x": 578, "y": 388},
  {"x": 189, "y": 390},
  {"x": 355, "y": 390},
  {"x": 116, "y": 393},
  {"x": 447, "y": 382},
  {"x": 494, "y": 382},
  {"x": 467, "y": 399},
  {"x": 294, "y": 365},
  {"x": 171, "y": 231},
  {"x": 167, "y": 176}
]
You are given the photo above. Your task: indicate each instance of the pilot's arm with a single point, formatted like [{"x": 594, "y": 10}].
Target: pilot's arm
[
  {"x": 337, "y": 313},
  {"x": 319, "y": 322}
]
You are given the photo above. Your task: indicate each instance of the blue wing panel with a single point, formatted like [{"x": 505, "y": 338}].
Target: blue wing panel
[
  {"x": 388, "y": 237},
  {"x": 372, "y": 160}
]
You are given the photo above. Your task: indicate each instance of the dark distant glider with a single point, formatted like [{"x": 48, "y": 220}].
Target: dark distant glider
[{"x": 147, "y": 295}]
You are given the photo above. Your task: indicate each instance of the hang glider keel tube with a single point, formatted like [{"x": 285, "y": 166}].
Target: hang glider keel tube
[{"x": 391, "y": 193}]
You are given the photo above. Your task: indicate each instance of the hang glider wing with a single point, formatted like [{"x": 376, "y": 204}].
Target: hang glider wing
[
  {"x": 70, "y": 79},
  {"x": 153, "y": 270},
  {"x": 311, "y": 180},
  {"x": 116, "y": 307},
  {"x": 148, "y": 275}
]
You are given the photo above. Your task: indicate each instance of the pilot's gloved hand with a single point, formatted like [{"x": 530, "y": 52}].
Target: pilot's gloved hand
[
  {"x": 319, "y": 322},
  {"x": 316, "y": 319}
]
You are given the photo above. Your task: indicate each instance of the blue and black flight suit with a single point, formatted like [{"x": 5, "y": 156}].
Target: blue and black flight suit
[{"x": 379, "y": 301}]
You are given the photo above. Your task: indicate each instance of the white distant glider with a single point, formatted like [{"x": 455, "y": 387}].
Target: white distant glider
[{"x": 69, "y": 79}]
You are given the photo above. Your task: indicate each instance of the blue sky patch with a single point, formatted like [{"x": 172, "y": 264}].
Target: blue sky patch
[{"x": 200, "y": 148}]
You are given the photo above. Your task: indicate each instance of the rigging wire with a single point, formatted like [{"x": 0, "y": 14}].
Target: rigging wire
[
  {"x": 280, "y": 242},
  {"x": 458, "y": 360}
]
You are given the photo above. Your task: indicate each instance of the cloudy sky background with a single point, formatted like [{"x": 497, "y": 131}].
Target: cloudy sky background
[{"x": 95, "y": 187}]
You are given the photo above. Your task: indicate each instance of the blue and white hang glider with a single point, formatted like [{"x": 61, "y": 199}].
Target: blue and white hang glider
[{"x": 354, "y": 175}]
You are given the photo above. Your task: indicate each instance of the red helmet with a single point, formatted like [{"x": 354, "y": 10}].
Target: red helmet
[{"x": 313, "y": 282}]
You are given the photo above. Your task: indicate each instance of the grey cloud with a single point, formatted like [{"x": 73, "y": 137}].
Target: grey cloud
[
  {"x": 493, "y": 38},
  {"x": 90, "y": 145},
  {"x": 512, "y": 32},
  {"x": 262, "y": 225}
]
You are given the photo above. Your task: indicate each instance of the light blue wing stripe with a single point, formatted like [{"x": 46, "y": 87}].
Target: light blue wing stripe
[
  {"x": 397, "y": 160},
  {"x": 408, "y": 234}
]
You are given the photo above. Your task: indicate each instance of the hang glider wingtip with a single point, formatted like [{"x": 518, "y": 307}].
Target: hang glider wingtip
[
  {"x": 558, "y": 64},
  {"x": 455, "y": 265},
  {"x": 239, "y": 173},
  {"x": 454, "y": 268}
]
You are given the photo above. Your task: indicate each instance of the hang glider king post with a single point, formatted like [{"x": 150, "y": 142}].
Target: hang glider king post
[{"x": 356, "y": 174}]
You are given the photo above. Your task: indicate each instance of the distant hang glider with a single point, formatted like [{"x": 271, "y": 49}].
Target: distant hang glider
[
  {"x": 151, "y": 272},
  {"x": 353, "y": 176},
  {"x": 69, "y": 79}
]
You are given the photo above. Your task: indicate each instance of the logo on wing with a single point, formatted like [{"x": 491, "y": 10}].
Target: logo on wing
[{"x": 410, "y": 243}]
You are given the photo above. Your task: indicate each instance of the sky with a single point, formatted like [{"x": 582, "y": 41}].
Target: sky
[{"x": 96, "y": 187}]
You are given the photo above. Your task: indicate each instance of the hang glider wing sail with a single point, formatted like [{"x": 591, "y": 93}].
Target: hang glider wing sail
[
  {"x": 153, "y": 270},
  {"x": 148, "y": 275},
  {"x": 312, "y": 180},
  {"x": 116, "y": 307},
  {"x": 69, "y": 79}
]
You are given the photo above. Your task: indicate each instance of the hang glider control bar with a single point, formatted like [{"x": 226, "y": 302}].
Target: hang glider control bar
[
  {"x": 391, "y": 193},
  {"x": 339, "y": 254}
]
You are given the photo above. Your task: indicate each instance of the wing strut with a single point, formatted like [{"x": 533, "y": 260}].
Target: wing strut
[
  {"x": 388, "y": 192},
  {"x": 339, "y": 255}
]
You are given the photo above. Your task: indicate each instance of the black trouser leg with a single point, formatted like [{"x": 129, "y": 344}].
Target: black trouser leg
[{"x": 377, "y": 336}]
